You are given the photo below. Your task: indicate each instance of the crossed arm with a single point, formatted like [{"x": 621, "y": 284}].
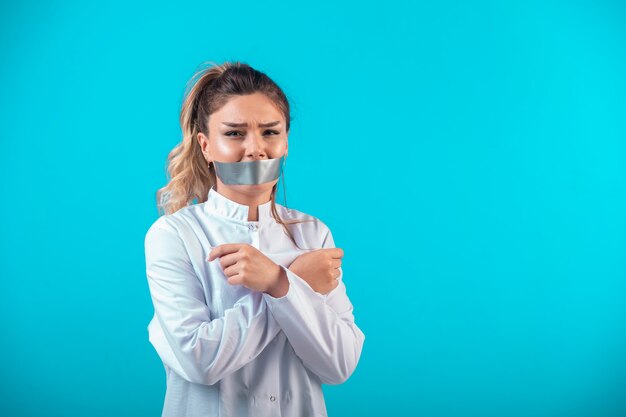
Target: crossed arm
[{"x": 320, "y": 327}]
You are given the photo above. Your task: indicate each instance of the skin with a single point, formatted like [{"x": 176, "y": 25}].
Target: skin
[{"x": 242, "y": 263}]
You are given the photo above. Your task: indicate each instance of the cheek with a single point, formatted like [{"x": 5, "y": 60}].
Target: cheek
[
  {"x": 277, "y": 149},
  {"x": 226, "y": 150}
]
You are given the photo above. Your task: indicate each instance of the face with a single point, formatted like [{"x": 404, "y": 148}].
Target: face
[{"x": 246, "y": 128}]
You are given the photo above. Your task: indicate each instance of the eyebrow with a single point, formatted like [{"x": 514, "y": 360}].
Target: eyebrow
[{"x": 268, "y": 124}]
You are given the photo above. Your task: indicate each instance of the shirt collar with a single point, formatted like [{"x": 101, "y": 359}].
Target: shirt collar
[{"x": 220, "y": 204}]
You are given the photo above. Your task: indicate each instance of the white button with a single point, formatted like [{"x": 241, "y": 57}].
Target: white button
[
  {"x": 252, "y": 226},
  {"x": 272, "y": 398}
]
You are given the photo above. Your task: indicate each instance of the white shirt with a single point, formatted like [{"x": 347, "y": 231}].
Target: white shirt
[{"x": 229, "y": 351}]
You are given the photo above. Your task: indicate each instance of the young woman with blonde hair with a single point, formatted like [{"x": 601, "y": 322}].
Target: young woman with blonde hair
[{"x": 251, "y": 313}]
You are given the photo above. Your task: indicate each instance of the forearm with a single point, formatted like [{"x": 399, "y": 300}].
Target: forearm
[
  {"x": 328, "y": 343},
  {"x": 188, "y": 338}
]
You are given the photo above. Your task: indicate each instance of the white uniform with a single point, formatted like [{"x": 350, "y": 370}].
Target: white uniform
[{"x": 229, "y": 351}]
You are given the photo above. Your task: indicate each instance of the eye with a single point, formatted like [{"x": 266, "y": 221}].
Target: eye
[
  {"x": 231, "y": 131},
  {"x": 275, "y": 132}
]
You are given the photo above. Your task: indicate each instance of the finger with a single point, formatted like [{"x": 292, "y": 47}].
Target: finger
[
  {"x": 229, "y": 259},
  {"x": 235, "y": 280},
  {"x": 224, "y": 249},
  {"x": 336, "y": 273},
  {"x": 335, "y": 252},
  {"x": 335, "y": 263},
  {"x": 232, "y": 270}
]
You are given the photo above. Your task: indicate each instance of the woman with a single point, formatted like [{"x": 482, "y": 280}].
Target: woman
[{"x": 251, "y": 314}]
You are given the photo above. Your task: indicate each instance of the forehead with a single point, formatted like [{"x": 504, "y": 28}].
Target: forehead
[{"x": 252, "y": 107}]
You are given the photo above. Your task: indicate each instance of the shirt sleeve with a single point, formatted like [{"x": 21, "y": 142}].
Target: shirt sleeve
[
  {"x": 201, "y": 350},
  {"x": 320, "y": 328}
]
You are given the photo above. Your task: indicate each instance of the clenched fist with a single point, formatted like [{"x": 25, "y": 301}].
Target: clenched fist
[{"x": 319, "y": 268}]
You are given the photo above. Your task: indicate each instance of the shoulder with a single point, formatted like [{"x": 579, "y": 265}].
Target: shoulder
[
  {"x": 174, "y": 224},
  {"x": 162, "y": 230}
]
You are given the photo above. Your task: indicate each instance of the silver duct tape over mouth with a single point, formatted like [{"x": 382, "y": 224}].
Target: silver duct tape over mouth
[{"x": 249, "y": 172}]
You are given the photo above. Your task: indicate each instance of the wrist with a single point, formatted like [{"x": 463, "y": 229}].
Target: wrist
[{"x": 280, "y": 286}]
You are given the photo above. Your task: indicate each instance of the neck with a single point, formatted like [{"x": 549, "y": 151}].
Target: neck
[{"x": 250, "y": 199}]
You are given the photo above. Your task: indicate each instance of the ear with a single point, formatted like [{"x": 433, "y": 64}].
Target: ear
[{"x": 203, "y": 141}]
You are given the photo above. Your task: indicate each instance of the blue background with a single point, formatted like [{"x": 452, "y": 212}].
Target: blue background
[{"x": 469, "y": 157}]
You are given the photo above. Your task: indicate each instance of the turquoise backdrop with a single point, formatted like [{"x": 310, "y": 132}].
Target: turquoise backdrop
[{"x": 469, "y": 157}]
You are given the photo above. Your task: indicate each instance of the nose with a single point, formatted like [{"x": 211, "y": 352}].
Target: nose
[{"x": 255, "y": 148}]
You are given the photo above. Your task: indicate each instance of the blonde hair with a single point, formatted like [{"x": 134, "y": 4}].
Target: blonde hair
[{"x": 207, "y": 91}]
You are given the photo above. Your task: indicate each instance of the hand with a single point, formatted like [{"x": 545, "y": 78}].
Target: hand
[
  {"x": 245, "y": 265},
  {"x": 319, "y": 268}
]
